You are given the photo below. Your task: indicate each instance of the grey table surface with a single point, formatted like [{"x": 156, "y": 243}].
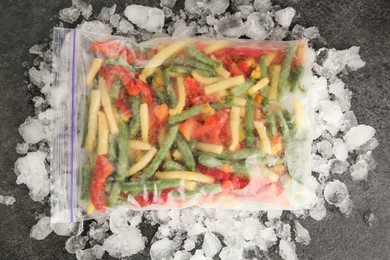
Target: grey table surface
[{"x": 365, "y": 23}]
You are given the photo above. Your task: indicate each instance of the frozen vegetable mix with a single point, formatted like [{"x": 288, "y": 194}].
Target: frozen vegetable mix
[{"x": 178, "y": 122}]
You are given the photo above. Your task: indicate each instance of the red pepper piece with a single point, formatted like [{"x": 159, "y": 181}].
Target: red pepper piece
[
  {"x": 216, "y": 174},
  {"x": 235, "y": 70},
  {"x": 165, "y": 194},
  {"x": 121, "y": 104},
  {"x": 203, "y": 99},
  {"x": 144, "y": 201},
  {"x": 188, "y": 127},
  {"x": 109, "y": 73},
  {"x": 238, "y": 183},
  {"x": 244, "y": 67},
  {"x": 161, "y": 113},
  {"x": 193, "y": 87},
  {"x": 221, "y": 53},
  {"x": 269, "y": 192},
  {"x": 212, "y": 128},
  {"x": 146, "y": 92},
  {"x": 113, "y": 49},
  {"x": 227, "y": 186},
  {"x": 200, "y": 46},
  {"x": 227, "y": 62},
  {"x": 103, "y": 168},
  {"x": 279, "y": 58}
]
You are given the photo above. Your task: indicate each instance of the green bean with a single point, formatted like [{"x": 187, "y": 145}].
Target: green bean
[
  {"x": 116, "y": 87},
  {"x": 179, "y": 69},
  {"x": 191, "y": 62},
  {"x": 240, "y": 154},
  {"x": 249, "y": 125},
  {"x": 86, "y": 178},
  {"x": 150, "y": 185},
  {"x": 272, "y": 130},
  {"x": 202, "y": 57},
  {"x": 173, "y": 166},
  {"x": 123, "y": 157},
  {"x": 263, "y": 67},
  {"x": 169, "y": 89},
  {"x": 135, "y": 121},
  {"x": 158, "y": 158},
  {"x": 114, "y": 194},
  {"x": 288, "y": 119},
  {"x": 205, "y": 73},
  {"x": 120, "y": 61},
  {"x": 285, "y": 70},
  {"x": 112, "y": 148},
  {"x": 184, "y": 115},
  {"x": 283, "y": 126},
  {"x": 205, "y": 190},
  {"x": 212, "y": 162},
  {"x": 86, "y": 117},
  {"x": 227, "y": 103},
  {"x": 186, "y": 152},
  {"x": 241, "y": 89},
  {"x": 265, "y": 101},
  {"x": 160, "y": 94},
  {"x": 296, "y": 77}
]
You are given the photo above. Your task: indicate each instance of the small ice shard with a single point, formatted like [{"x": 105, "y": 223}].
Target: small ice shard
[
  {"x": 358, "y": 135},
  {"x": 287, "y": 250},
  {"x": 106, "y": 13},
  {"x": 301, "y": 233},
  {"x": 338, "y": 167},
  {"x": 32, "y": 131},
  {"x": 41, "y": 77},
  {"x": 148, "y": 18},
  {"x": 318, "y": 211},
  {"x": 42, "y": 229},
  {"x": 335, "y": 192},
  {"x": 340, "y": 149},
  {"x": 95, "y": 26},
  {"x": 125, "y": 26},
  {"x": 31, "y": 170},
  {"x": 114, "y": 20},
  {"x": 278, "y": 33},
  {"x": 127, "y": 242},
  {"x": 7, "y": 200},
  {"x": 262, "y": 5},
  {"x": 369, "y": 217},
  {"x": 69, "y": 15},
  {"x": 211, "y": 245},
  {"x": 162, "y": 249},
  {"x": 86, "y": 10},
  {"x": 364, "y": 163},
  {"x": 75, "y": 243},
  {"x": 258, "y": 26},
  {"x": 22, "y": 148},
  {"x": 285, "y": 16},
  {"x": 231, "y": 27},
  {"x": 369, "y": 146},
  {"x": 349, "y": 121},
  {"x": 168, "y": 3}
]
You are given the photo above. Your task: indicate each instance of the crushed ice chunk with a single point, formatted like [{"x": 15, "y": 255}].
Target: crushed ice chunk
[
  {"x": 67, "y": 229},
  {"x": 122, "y": 217},
  {"x": 335, "y": 192},
  {"x": 7, "y": 200},
  {"x": 229, "y": 253},
  {"x": 369, "y": 146},
  {"x": 182, "y": 30},
  {"x": 325, "y": 149},
  {"x": 98, "y": 231},
  {"x": 181, "y": 255},
  {"x": 266, "y": 238},
  {"x": 41, "y": 77},
  {"x": 301, "y": 233},
  {"x": 167, "y": 3},
  {"x": 230, "y": 27},
  {"x": 69, "y": 15},
  {"x": 244, "y": 11},
  {"x": 75, "y": 243},
  {"x": 262, "y": 5},
  {"x": 278, "y": 33},
  {"x": 194, "y": 7},
  {"x": 199, "y": 255},
  {"x": 86, "y": 10},
  {"x": 22, "y": 148},
  {"x": 318, "y": 211},
  {"x": 217, "y": 7},
  {"x": 369, "y": 217},
  {"x": 31, "y": 170},
  {"x": 95, "y": 26},
  {"x": 32, "y": 131},
  {"x": 189, "y": 244},
  {"x": 287, "y": 250},
  {"x": 161, "y": 249},
  {"x": 318, "y": 91},
  {"x": 258, "y": 26},
  {"x": 311, "y": 33},
  {"x": 148, "y": 18},
  {"x": 211, "y": 244},
  {"x": 106, "y": 13},
  {"x": 340, "y": 149},
  {"x": 349, "y": 121},
  {"x": 95, "y": 252},
  {"x": 285, "y": 16},
  {"x": 127, "y": 242},
  {"x": 274, "y": 214},
  {"x": 338, "y": 167},
  {"x": 197, "y": 229},
  {"x": 125, "y": 26},
  {"x": 114, "y": 20},
  {"x": 42, "y": 229},
  {"x": 358, "y": 135},
  {"x": 364, "y": 163},
  {"x": 331, "y": 114},
  {"x": 320, "y": 165}
]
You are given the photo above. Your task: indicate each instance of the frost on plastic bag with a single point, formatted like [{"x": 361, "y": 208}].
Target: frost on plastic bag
[{"x": 178, "y": 122}]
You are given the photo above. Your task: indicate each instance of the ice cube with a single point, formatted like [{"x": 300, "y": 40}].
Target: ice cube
[
  {"x": 335, "y": 192},
  {"x": 106, "y": 13},
  {"x": 95, "y": 26},
  {"x": 338, "y": 167},
  {"x": 231, "y": 27},
  {"x": 211, "y": 244},
  {"x": 22, "y": 148},
  {"x": 125, "y": 27},
  {"x": 301, "y": 233},
  {"x": 31, "y": 170},
  {"x": 340, "y": 149},
  {"x": 67, "y": 229},
  {"x": 168, "y": 3},
  {"x": 217, "y": 7},
  {"x": 148, "y": 18},
  {"x": 69, "y": 15},
  {"x": 162, "y": 249},
  {"x": 325, "y": 149},
  {"x": 318, "y": 211},
  {"x": 86, "y": 10},
  {"x": 285, "y": 16},
  {"x": 42, "y": 229},
  {"x": 262, "y": 5},
  {"x": 7, "y": 200},
  {"x": 358, "y": 135},
  {"x": 287, "y": 250},
  {"x": 128, "y": 241},
  {"x": 75, "y": 243},
  {"x": 182, "y": 30},
  {"x": 258, "y": 26},
  {"x": 229, "y": 253}
]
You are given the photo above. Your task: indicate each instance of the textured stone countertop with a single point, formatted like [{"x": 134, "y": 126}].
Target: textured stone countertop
[{"x": 343, "y": 23}]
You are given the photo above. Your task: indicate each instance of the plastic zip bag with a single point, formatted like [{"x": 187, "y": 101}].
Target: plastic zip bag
[{"x": 178, "y": 122}]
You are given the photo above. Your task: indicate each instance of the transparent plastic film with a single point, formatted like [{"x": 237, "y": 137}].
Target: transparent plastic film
[{"x": 178, "y": 122}]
